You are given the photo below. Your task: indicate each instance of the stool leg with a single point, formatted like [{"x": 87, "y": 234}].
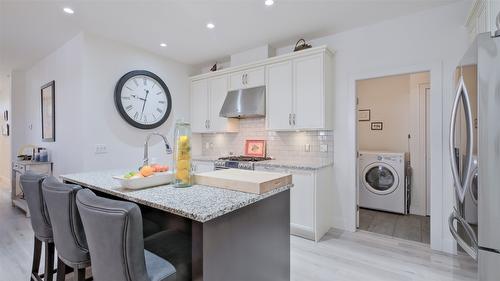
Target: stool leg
[
  {"x": 61, "y": 270},
  {"x": 49, "y": 261},
  {"x": 37, "y": 254},
  {"x": 79, "y": 274}
]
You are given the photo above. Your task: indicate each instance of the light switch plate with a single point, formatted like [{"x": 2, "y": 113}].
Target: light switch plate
[{"x": 323, "y": 147}]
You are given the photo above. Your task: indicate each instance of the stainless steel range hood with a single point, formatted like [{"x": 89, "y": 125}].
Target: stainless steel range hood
[{"x": 245, "y": 103}]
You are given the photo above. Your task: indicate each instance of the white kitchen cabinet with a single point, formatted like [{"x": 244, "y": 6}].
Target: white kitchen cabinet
[
  {"x": 482, "y": 17},
  {"x": 202, "y": 166},
  {"x": 207, "y": 98},
  {"x": 248, "y": 78},
  {"x": 279, "y": 92},
  {"x": 300, "y": 95},
  {"x": 310, "y": 201},
  {"x": 199, "y": 106}
]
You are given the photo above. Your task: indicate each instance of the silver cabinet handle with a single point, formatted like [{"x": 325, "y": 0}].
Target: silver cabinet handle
[
  {"x": 208, "y": 124},
  {"x": 471, "y": 249},
  {"x": 290, "y": 119},
  {"x": 293, "y": 119},
  {"x": 243, "y": 79},
  {"x": 462, "y": 94}
]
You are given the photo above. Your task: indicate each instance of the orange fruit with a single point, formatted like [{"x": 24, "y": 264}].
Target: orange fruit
[{"x": 147, "y": 171}]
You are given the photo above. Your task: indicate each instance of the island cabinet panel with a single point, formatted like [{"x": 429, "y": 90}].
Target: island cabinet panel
[
  {"x": 207, "y": 98},
  {"x": 199, "y": 106},
  {"x": 249, "y": 244},
  {"x": 279, "y": 96},
  {"x": 249, "y": 78}
]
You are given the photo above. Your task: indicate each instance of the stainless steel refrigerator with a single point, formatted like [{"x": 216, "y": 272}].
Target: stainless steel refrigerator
[{"x": 475, "y": 155}]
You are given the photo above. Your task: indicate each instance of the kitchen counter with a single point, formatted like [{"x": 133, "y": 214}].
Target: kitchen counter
[
  {"x": 227, "y": 228},
  {"x": 200, "y": 203},
  {"x": 280, "y": 163}
]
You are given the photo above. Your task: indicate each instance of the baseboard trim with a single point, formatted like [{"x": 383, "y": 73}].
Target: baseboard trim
[{"x": 301, "y": 231}]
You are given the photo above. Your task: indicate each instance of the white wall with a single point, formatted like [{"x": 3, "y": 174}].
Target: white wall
[
  {"x": 433, "y": 37},
  {"x": 86, "y": 70},
  {"x": 5, "y": 141}
]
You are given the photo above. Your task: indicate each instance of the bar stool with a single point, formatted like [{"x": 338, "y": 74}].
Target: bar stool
[
  {"x": 114, "y": 235},
  {"x": 40, "y": 222},
  {"x": 69, "y": 236}
]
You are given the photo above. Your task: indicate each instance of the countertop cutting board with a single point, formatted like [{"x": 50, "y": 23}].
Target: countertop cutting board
[{"x": 243, "y": 180}]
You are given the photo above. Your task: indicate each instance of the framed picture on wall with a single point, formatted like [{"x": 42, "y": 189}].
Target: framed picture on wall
[
  {"x": 364, "y": 115},
  {"x": 377, "y": 126},
  {"x": 48, "y": 105}
]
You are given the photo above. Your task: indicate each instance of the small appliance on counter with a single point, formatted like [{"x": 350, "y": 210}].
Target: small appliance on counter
[{"x": 31, "y": 152}]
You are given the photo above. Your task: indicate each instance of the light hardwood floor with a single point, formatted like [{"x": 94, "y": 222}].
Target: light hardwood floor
[
  {"x": 340, "y": 256},
  {"x": 409, "y": 227}
]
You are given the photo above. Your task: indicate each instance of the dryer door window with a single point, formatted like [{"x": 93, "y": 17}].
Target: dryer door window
[{"x": 380, "y": 179}]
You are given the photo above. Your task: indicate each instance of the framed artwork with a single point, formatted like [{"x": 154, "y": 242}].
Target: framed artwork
[
  {"x": 48, "y": 92},
  {"x": 255, "y": 148},
  {"x": 377, "y": 126},
  {"x": 364, "y": 115}
]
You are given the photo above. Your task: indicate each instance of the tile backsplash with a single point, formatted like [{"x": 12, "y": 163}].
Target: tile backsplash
[{"x": 280, "y": 145}]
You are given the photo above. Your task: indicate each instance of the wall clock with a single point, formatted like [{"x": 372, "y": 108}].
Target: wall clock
[{"x": 143, "y": 99}]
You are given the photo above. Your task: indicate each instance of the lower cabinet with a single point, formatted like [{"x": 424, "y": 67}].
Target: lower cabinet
[
  {"x": 310, "y": 211},
  {"x": 202, "y": 166}
]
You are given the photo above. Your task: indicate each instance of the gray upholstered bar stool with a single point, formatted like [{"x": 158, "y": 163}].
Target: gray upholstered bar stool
[
  {"x": 114, "y": 235},
  {"x": 40, "y": 222},
  {"x": 69, "y": 236}
]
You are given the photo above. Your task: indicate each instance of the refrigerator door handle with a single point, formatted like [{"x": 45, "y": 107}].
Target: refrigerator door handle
[
  {"x": 472, "y": 249},
  {"x": 462, "y": 94}
]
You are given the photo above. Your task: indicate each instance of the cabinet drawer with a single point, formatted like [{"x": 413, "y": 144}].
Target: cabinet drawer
[{"x": 247, "y": 79}]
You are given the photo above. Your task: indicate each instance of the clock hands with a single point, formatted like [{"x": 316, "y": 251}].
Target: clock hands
[
  {"x": 136, "y": 97},
  {"x": 144, "y": 105}
]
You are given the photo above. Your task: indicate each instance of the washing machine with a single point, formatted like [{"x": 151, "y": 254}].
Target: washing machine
[
  {"x": 382, "y": 182},
  {"x": 470, "y": 200}
]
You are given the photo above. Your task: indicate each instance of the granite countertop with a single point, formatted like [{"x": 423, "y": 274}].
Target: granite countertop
[
  {"x": 199, "y": 202},
  {"x": 279, "y": 163}
]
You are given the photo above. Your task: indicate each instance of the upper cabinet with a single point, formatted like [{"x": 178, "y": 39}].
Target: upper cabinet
[
  {"x": 483, "y": 17},
  {"x": 207, "y": 97},
  {"x": 299, "y": 92},
  {"x": 249, "y": 78}
]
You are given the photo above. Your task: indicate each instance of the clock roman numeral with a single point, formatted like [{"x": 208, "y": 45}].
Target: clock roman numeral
[
  {"x": 128, "y": 108},
  {"x": 136, "y": 115},
  {"x": 159, "y": 93},
  {"x": 129, "y": 88},
  {"x": 135, "y": 81},
  {"x": 162, "y": 102},
  {"x": 159, "y": 110},
  {"x": 154, "y": 84},
  {"x": 126, "y": 98},
  {"x": 154, "y": 117},
  {"x": 144, "y": 81}
]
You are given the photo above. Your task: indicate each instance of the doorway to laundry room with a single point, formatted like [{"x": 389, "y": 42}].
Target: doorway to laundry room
[{"x": 393, "y": 145}]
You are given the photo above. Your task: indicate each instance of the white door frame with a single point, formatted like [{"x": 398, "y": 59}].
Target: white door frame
[{"x": 436, "y": 141}]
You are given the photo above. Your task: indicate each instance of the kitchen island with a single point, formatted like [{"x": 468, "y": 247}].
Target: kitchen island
[{"x": 234, "y": 235}]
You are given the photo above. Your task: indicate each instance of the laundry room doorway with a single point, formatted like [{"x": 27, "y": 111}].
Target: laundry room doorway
[{"x": 393, "y": 186}]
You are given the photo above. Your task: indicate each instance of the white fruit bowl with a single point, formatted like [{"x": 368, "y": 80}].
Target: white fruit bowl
[{"x": 138, "y": 183}]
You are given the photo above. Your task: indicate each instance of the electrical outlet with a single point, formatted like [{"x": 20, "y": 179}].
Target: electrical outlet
[
  {"x": 307, "y": 147},
  {"x": 101, "y": 149},
  {"x": 323, "y": 147}
]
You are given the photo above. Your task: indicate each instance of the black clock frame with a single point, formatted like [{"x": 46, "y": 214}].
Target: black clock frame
[{"x": 119, "y": 105}]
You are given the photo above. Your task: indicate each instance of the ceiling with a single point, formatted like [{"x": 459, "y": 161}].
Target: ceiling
[{"x": 29, "y": 30}]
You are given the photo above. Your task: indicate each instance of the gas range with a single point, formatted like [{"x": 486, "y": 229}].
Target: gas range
[{"x": 238, "y": 162}]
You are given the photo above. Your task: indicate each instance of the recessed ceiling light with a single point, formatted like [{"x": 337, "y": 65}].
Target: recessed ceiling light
[
  {"x": 68, "y": 11},
  {"x": 269, "y": 2},
  {"x": 163, "y": 45},
  {"x": 210, "y": 25}
]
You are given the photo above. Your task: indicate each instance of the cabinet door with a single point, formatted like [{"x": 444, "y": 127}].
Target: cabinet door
[
  {"x": 236, "y": 80},
  {"x": 494, "y": 11},
  {"x": 309, "y": 88},
  {"x": 199, "y": 106},
  {"x": 279, "y": 96},
  {"x": 255, "y": 77},
  {"x": 218, "y": 90},
  {"x": 302, "y": 200}
]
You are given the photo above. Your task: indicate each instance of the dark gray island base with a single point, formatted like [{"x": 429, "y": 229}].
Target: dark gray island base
[{"x": 235, "y": 236}]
